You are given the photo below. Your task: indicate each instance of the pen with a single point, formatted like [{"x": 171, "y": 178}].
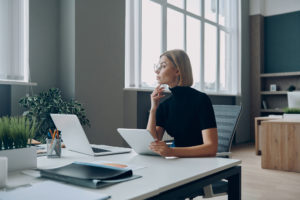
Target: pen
[
  {"x": 53, "y": 141},
  {"x": 56, "y": 142},
  {"x": 51, "y": 133}
]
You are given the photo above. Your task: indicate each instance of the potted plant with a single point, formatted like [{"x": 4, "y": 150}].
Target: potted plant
[
  {"x": 291, "y": 113},
  {"x": 41, "y": 105},
  {"x": 15, "y": 138}
]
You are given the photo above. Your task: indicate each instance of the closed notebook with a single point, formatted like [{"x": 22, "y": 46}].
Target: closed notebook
[{"x": 89, "y": 175}]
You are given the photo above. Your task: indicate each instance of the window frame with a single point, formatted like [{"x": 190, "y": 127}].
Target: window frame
[
  {"x": 18, "y": 19},
  {"x": 133, "y": 42}
]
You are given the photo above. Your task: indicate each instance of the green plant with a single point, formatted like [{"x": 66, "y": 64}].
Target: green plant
[
  {"x": 41, "y": 105},
  {"x": 15, "y": 132},
  {"x": 292, "y": 110}
]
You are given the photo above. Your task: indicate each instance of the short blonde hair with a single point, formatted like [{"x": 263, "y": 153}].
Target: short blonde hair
[{"x": 182, "y": 62}]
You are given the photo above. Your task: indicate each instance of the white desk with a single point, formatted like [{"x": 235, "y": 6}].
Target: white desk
[{"x": 161, "y": 178}]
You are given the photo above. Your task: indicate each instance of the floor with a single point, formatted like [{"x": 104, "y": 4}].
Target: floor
[{"x": 263, "y": 184}]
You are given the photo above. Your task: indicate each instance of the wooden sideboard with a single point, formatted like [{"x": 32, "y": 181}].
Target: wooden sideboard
[
  {"x": 281, "y": 145},
  {"x": 257, "y": 125}
]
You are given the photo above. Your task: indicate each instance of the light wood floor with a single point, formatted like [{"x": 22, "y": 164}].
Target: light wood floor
[{"x": 263, "y": 184}]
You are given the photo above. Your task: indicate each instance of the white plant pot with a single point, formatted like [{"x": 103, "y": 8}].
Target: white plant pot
[
  {"x": 291, "y": 116},
  {"x": 20, "y": 159}
]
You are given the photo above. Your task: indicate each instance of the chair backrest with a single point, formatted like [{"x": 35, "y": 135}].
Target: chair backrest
[{"x": 227, "y": 117}]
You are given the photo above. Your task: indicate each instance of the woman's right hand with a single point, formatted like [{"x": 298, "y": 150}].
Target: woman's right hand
[{"x": 156, "y": 95}]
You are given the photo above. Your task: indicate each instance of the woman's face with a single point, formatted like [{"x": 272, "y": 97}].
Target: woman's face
[{"x": 167, "y": 73}]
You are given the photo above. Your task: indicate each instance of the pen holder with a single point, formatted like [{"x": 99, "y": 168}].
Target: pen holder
[{"x": 54, "y": 148}]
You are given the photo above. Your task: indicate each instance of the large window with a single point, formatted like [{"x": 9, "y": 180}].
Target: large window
[
  {"x": 14, "y": 41},
  {"x": 206, "y": 29}
]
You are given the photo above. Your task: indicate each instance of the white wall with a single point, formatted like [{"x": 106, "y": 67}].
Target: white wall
[
  {"x": 273, "y": 7},
  {"x": 256, "y": 7}
]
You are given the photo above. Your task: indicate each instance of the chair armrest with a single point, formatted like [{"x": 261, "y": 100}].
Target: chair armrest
[{"x": 224, "y": 154}]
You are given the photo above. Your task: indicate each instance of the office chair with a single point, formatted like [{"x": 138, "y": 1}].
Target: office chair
[{"x": 227, "y": 117}]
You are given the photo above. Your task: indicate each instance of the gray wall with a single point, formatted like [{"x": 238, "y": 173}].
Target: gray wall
[
  {"x": 5, "y": 100},
  {"x": 67, "y": 48},
  {"x": 243, "y": 130},
  {"x": 43, "y": 49},
  {"x": 99, "y": 60}
]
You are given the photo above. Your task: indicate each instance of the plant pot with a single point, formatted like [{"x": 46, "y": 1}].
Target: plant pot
[
  {"x": 291, "y": 116},
  {"x": 20, "y": 159}
]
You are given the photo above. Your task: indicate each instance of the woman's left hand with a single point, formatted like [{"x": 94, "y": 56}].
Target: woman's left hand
[{"x": 161, "y": 148}]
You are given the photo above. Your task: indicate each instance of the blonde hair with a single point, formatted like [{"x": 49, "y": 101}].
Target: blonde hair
[{"x": 182, "y": 62}]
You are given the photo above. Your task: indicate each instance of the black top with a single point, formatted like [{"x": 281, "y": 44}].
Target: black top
[{"x": 185, "y": 114}]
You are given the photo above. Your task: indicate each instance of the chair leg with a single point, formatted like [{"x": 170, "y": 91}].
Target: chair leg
[{"x": 208, "y": 191}]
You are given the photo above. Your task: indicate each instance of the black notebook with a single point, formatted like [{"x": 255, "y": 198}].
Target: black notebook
[{"x": 89, "y": 175}]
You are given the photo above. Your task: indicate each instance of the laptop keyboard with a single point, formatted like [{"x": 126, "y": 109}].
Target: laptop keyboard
[{"x": 97, "y": 150}]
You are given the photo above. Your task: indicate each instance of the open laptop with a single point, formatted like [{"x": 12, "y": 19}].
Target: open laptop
[
  {"x": 138, "y": 139},
  {"x": 75, "y": 138}
]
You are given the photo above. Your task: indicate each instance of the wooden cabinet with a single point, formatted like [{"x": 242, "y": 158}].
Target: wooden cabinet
[
  {"x": 257, "y": 125},
  {"x": 281, "y": 145},
  {"x": 273, "y": 102}
]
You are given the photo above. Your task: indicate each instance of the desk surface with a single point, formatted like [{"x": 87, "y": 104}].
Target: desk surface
[{"x": 158, "y": 175}]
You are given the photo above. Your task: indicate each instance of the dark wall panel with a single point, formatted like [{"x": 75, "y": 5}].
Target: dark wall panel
[
  {"x": 5, "y": 94},
  {"x": 282, "y": 43}
]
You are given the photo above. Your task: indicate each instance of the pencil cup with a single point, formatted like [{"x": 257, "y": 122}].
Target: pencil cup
[
  {"x": 3, "y": 171},
  {"x": 54, "y": 148}
]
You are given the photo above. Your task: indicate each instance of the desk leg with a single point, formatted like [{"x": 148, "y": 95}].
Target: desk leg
[
  {"x": 234, "y": 186},
  {"x": 194, "y": 189}
]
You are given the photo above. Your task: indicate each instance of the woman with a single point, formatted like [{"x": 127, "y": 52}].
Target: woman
[{"x": 187, "y": 115}]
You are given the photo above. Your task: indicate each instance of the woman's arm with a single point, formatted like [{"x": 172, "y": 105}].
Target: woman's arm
[
  {"x": 156, "y": 131},
  {"x": 207, "y": 149}
]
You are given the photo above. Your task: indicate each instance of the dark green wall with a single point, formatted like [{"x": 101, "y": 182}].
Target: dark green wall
[{"x": 282, "y": 43}]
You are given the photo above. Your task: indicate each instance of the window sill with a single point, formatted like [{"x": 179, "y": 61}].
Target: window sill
[
  {"x": 168, "y": 91},
  {"x": 23, "y": 83}
]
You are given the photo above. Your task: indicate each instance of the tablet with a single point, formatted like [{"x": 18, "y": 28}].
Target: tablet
[{"x": 138, "y": 139}]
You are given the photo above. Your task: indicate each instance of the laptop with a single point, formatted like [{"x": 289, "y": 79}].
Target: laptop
[
  {"x": 75, "y": 138},
  {"x": 138, "y": 139}
]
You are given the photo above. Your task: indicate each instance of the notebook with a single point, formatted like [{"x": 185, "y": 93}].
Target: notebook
[
  {"x": 75, "y": 138},
  {"x": 138, "y": 139},
  {"x": 89, "y": 175}
]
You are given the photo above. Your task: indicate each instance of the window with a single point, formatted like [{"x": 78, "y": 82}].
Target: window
[
  {"x": 14, "y": 40},
  {"x": 206, "y": 29}
]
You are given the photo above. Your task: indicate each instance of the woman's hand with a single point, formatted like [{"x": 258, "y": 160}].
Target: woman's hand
[
  {"x": 156, "y": 95},
  {"x": 161, "y": 148}
]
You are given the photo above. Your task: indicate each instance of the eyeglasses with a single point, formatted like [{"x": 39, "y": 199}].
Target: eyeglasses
[
  {"x": 156, "y": 67},
  {"x": 159, "y": 66}
]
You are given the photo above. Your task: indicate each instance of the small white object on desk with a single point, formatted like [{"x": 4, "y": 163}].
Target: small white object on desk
[
  {"x": 3, "y": 171},
  {"x": 276, "y": 116},
  {"x": 291, "y": 116}
]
